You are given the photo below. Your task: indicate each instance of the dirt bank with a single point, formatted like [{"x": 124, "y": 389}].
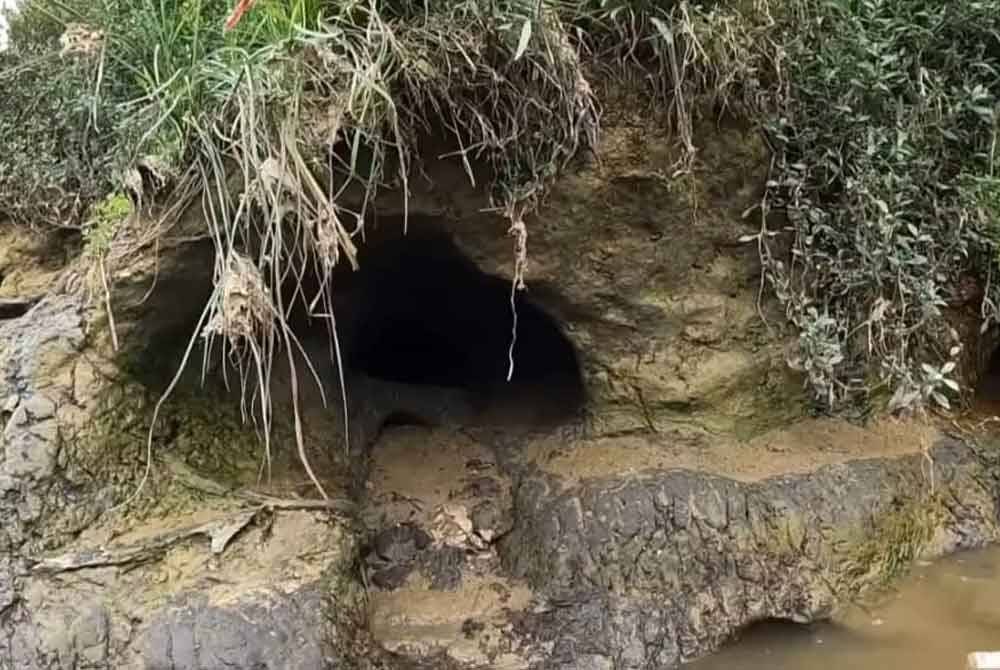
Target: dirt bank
[{"x": 649, "y": 483}]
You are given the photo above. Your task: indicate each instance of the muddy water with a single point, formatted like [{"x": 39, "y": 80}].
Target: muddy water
[{"x": 935, "y": 617}]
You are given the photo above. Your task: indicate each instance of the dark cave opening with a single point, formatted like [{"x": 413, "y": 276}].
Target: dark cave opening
[
  {"x": 419, "y": 312},
  {"x": 434, "y": 318}
]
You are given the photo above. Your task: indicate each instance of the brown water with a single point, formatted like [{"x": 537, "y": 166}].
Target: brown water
[{"x": 935, "y": 617}]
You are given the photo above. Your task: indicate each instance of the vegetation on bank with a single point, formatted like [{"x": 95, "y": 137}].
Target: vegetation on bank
[{"x": 882, "y": 115}]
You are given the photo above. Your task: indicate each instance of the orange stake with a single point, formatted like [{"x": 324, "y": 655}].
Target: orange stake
[{"x": 238, "y": 11}]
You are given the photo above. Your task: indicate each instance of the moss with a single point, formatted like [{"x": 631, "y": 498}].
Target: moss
[
  {"x": 206, "y": 434},
  {"x": 896, "y": 540},
  {"x": 102, "y": 224}
]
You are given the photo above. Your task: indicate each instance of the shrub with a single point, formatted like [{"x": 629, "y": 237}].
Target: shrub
[{"x": 886, "y": 169}]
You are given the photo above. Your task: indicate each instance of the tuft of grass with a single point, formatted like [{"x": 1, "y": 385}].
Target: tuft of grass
[
  {"x": 897, "y": 540},
  {"x": 101, "y": 227}
]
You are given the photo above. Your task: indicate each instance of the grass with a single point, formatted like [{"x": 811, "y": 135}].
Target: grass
[{"x": 882, "y": 116}]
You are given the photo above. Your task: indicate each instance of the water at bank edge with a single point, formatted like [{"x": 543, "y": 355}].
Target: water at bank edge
[{"x": 930, "y": 621}]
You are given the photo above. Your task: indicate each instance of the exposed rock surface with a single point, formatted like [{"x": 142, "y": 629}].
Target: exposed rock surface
[
  {"x": 650, "y": 566},
  {"x": 79, "y": 589},
  {"x": 663, "y": 567}
]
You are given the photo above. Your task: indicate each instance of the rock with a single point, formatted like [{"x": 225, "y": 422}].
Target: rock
[
  {"x": 660, "y": 569},
  {"x": 30, "y": 449},
  {"x": 452, "y": 527},
  {"x": 400, "y": 543},
  {"x": 278, "y": 632},
  {"x": 38, "y": 407},
  {"x": 444, "y": 567},
  {"x": 392, "y": 577},
  {"x": 259, "y": 604},
  {"x": 10, "y": 404},
  {"x": 490, "y": 520}
]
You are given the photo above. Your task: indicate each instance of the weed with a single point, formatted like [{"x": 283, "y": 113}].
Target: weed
[{"x": 102, "y": 226}]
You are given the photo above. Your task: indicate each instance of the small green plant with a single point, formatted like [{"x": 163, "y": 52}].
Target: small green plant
[
  {"x": 102, "y": 226},
  {"x": 898, "y": 536}
]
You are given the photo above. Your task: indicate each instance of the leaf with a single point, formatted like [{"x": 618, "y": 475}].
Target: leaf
[
  {"x": 522, "y": 43},
  {"x": 941, "y": 400},
  {"x": 952, "y": 384},
  {"x": 748, "y": 238},
  {"x": 948, "y": 367}
]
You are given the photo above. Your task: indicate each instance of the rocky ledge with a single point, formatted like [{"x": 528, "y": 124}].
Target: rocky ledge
[{"x": 661, "y": 567}]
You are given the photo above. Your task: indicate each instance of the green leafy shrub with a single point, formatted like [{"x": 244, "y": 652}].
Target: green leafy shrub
[{"x": 886, "y": 148}]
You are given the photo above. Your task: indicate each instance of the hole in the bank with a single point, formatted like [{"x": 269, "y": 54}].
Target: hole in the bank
[
  {"x": 986, "y": 400},
  {"x": 421, "y": 314},
  {"x": 772, "y": 628},
  {"x": 418, "y": 317},
  {"x": 780, "y": 643}
]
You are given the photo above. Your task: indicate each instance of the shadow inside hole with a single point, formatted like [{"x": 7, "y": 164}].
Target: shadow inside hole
[
  {"x": 420, "y": 313},
  {"x": 986, "y": 399}
]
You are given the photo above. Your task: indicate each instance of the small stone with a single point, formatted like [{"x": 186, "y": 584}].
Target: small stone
[
  {"x": 400, "y": 543},
  {"x": 85, "y": 384},
  {"x": 452, "y": 527},
  {"x": 39, "y": 407},
  {"x": 391, "y": 578},
  {"x": 17, "y": 419},
  {"x": 470, "y": 627}
]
